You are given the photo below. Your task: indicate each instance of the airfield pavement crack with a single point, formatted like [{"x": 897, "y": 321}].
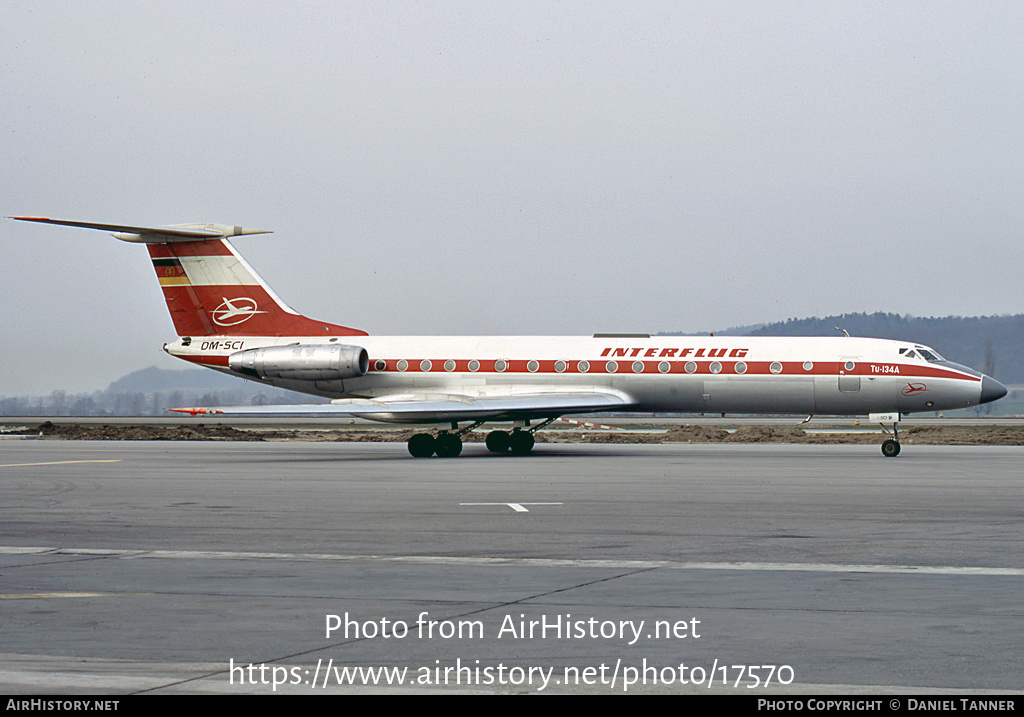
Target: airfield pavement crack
[{"x": 456, "y": 616}]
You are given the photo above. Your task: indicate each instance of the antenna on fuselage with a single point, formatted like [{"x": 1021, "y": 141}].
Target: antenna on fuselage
[{"x": 845, "y": 332}]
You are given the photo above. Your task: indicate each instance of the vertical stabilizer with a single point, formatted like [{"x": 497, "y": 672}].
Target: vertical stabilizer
[{"x": 209, "y": 288}]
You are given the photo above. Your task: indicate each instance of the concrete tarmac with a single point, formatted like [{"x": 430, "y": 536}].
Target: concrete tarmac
[{"x": 288, "y": 567}]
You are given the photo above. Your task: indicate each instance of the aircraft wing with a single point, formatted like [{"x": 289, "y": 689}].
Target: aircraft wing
[{"x": 441, "y": 408}]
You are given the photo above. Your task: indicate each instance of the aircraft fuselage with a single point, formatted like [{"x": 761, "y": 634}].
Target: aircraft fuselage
[{"x": 813, "y": 375}]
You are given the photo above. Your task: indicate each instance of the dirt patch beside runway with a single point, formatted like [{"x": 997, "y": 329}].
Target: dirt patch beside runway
[
  {"x": 685, "y": 433},
  {"x": 921, "y": 435},
  {"x": 199, "y": 432}
]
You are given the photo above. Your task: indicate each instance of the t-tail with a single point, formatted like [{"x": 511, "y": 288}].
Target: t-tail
[{"x": 209, "y": 288}]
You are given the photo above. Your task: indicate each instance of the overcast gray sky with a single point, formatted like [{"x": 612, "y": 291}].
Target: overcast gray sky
[{"x": 508, "y": 167}]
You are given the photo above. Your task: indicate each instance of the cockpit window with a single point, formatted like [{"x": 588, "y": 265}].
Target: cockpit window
[{"x": 921, "y": 353}]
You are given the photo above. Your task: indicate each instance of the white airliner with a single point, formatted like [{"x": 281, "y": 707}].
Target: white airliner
[{"x": 228, "y": 319}]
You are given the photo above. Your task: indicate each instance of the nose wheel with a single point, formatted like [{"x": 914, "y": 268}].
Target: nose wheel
[{"x": 890, "y": 446}]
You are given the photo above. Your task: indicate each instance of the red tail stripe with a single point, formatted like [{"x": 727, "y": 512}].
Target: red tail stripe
[{"x": 212, "y": 247}]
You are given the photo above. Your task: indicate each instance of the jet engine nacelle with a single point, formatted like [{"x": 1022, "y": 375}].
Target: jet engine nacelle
[{"x": 302, "y": 362}]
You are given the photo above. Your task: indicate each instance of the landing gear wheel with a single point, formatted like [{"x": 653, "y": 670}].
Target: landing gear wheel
[
  {"x": 448, "y": 445},
  {"x": 422, "y": 445},
  {"x": 521, "y": 442},
  {"x": 498, "y": 441},
  {"x": 890, "y": 448}
]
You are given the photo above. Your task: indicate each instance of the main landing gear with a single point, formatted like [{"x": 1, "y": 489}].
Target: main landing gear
[
  {"x": 448, "y": 444},
  {"x": 890, "y": 446},
  {"x": 444, "y": 444},
  {"x": 519, "y": 442}
]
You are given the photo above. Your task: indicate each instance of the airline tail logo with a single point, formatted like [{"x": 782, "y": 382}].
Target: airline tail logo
[{"x": 232, "y": 312}]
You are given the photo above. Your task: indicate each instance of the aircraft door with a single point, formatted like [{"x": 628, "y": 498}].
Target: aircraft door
[{"x": 849, "y": 381}]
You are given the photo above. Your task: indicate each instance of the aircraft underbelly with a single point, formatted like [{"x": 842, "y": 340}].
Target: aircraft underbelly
[
  {"x": 853, "y": 395},
  {"x": 821, "y": 394},
  {"x": 676, "y": 394},
  {"x": 758, "y": 395}
]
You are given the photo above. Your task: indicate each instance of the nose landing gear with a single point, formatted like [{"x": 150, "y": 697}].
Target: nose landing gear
[{"x": 890, "y": 446}]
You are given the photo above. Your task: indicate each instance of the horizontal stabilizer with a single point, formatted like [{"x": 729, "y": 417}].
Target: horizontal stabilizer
[{"x": 155, "y": 235}]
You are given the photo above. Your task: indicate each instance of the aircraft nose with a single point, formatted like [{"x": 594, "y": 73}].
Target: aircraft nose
[{"x": 991, "y": 390}]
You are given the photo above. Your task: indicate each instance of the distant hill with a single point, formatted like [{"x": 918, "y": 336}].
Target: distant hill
[
  {"x": 193, "y": 381},
  {"x": 994, "y": 344},
  {"x": 189, "y": 379},
  {"x": 150, "y": 392}
]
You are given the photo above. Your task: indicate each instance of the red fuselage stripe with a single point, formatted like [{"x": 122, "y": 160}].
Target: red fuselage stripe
[{"x": 651, "y": 368}]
